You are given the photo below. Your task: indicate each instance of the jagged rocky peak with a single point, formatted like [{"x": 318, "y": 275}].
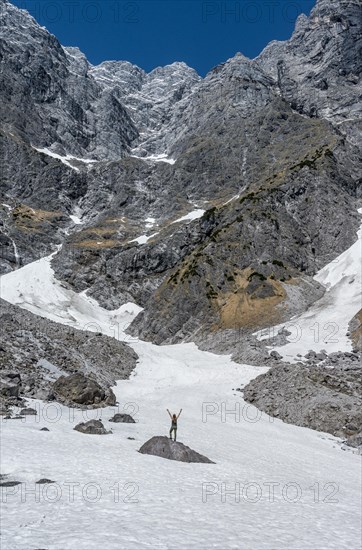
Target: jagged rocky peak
[
  {"x": 77, "y": 60},
  {"x": 232, "y": 91},
  {"x": 238, "y": 58},
  {"x": 150, "y": 98},
  {"x": 158, "y": 85},
  {"x": 77, "y": 109},
  {"x": 242, "y": 70},
  {"x": 122, "y": 74},
  {"x": 175, "y": 72},
  {"x": 21, "y": 36},
  {"x": 319, "y": 69},
  {"x": 173, "y": 80},
  {"x": 49, "y": 97}
]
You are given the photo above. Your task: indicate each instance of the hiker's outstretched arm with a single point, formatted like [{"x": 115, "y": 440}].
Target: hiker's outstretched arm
[
  {"x": 179, "y": 413},
  {"x": 169, "y": 413}
]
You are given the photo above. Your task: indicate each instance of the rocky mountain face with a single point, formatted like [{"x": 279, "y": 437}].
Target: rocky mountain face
[
  {"x": 264, "y": 153},
  {"x": 35, "y": 353},
  {"x": 50, "y": 99},
  {"x": 318, "y": 70},
  {"x": 324, "y": 394},
  {"x": 149, "y": 98}
]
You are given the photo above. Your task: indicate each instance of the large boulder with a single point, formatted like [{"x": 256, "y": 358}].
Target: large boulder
[
  {"x": 126, "y": 418},
  {"x": 173, "y": 450},
  {"x": 9, "y": 390},
  {"x": 82, "y": 390},
  {"x": 28, "y": 412},
  {"x": 91, "y": 427}
]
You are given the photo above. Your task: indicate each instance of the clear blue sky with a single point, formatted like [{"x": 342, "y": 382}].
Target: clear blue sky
[{"x": 151, "y": 33}]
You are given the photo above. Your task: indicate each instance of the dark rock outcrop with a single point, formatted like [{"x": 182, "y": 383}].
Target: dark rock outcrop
[
  {"x": 9, "y": 390},
  {"x": 44, "y": 481},
  {"x": 28, "y": 412},
  {"x": 92, "y": 427},
  {"x": 9, "y": 483},
  {"x": 173, "y": 450},
  {"x": 126, "y": 418},
  {"x": 325, "y": 396}
]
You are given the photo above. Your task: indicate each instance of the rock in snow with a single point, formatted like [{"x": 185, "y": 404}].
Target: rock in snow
[
  {"x": 127, "y": 418},
  {"x": 92, "y": 427},
  {"x": 173, "y": 450},
  {"x": 28, "y": 412},
  {"x": 82, "y": 390}
]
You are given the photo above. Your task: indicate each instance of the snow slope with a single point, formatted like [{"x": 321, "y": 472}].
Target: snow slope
[
  {"x": 109, "y": 496},
  {"x": 143, "y": 239},
  {"x": 157, "y": 158},
  {"x": 65, "y": 159},
  {"x": 194, "y": 215},
  {"x": 191, "y": 216},
  {"x": 325, "y": 324}
]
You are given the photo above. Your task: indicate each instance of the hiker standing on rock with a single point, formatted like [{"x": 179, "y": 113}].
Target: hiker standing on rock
[{"x": 174, "y": 419}]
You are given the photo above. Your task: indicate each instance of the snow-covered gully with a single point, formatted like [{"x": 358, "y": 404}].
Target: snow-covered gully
[
  {"x": 325, "y": 324},
  {"x": 274, "y": 485}
]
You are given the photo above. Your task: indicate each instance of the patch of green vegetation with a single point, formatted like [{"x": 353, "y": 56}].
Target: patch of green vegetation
[
  {"x": 256, "y": 274},
  {"x": 173, "y": 279},
  {"x": 279, "y": 263},
  {"x": 211, "y": 294},
  {"x": 311, "y": 162},
  {"x": 266, "y": 214},
  {"x": 250, "y": 196},
  {"x": 209, "y": 214},
  {"x": 215, "y": 234},
  {"x": 191, "y": 271}
]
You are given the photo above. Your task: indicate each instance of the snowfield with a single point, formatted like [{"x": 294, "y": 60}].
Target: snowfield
[
  {"x": 274, "y": 485},
  {"x": 194, "y": 215}
]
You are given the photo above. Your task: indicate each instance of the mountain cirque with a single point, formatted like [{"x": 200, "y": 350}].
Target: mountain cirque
[
  {"x": 210, "y": 202},
  {"x": 267, "y": 148}
]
